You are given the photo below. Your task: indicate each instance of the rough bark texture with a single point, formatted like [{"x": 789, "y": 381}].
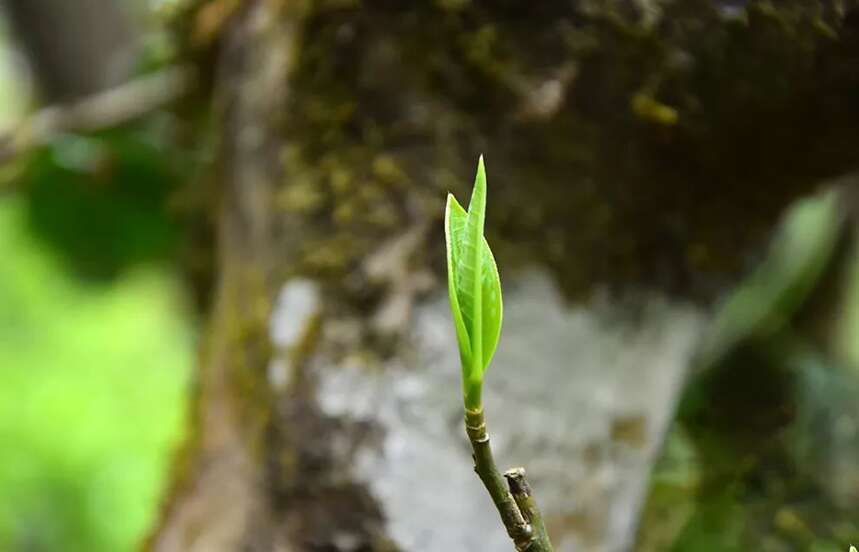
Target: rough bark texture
[{"x": 642, "y": 147}]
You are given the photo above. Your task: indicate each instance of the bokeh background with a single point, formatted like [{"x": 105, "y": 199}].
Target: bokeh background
[
  {"x": 97, "y": 337},
  {"x": 696, "y": 155}
]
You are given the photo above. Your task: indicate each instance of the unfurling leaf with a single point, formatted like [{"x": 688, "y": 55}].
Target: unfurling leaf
[{"x": 473, "y": 286}]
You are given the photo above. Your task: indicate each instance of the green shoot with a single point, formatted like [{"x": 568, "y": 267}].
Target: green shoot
[
  {"x": 474, "y": 288},
  {"x": 475, "y": 301}
]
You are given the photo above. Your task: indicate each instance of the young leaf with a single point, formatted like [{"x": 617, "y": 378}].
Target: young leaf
[
  {"x": 454, "y": 227},
  {"x": 473, "y": 285},
  {"x": 493, "y": 310}
]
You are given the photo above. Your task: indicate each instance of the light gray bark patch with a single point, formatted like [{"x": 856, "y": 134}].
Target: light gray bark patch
[
  {"x": 298, "y": 305},
  {"x": 580, "y": 395}
]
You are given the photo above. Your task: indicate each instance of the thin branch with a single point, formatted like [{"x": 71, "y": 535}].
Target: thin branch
[
  {"x": 105, "y": 109},
  {"x": 521, "y": 491},
  {"x": 523, "y": 521}
]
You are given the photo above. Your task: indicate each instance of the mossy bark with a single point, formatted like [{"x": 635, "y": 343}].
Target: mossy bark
[{"x": 648, "y": 145}]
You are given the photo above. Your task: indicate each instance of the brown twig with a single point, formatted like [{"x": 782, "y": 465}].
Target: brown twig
[
  {"x": 521, "y": 491},
  {"x": 105, "y": 109},
  {"x": 512, "y": 497}
]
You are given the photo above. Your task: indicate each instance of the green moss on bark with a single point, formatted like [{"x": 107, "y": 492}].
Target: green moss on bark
[{"x": 654, "y": 148}]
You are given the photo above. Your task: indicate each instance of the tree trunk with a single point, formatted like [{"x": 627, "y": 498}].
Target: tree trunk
[{"x": 638, "y": 153}]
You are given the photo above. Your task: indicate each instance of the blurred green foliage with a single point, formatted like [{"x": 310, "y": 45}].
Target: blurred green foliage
[
  {"x": 762, "y": 454},
  {"x": 92, "y": 380},
  {"x": 100, "y": 201},
  {"x": 95, "y": 340},
  {"x": 95, "y": 347}
]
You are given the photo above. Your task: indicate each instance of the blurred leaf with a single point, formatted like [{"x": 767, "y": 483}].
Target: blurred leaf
[
  {"x": 100, "y": 201},
  {"x": 766, "y": 300}
]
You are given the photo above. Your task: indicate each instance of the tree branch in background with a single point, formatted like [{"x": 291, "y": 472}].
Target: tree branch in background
[
  {"x": 102, "y": 110},
  {"x": 75, "y": 48}
]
